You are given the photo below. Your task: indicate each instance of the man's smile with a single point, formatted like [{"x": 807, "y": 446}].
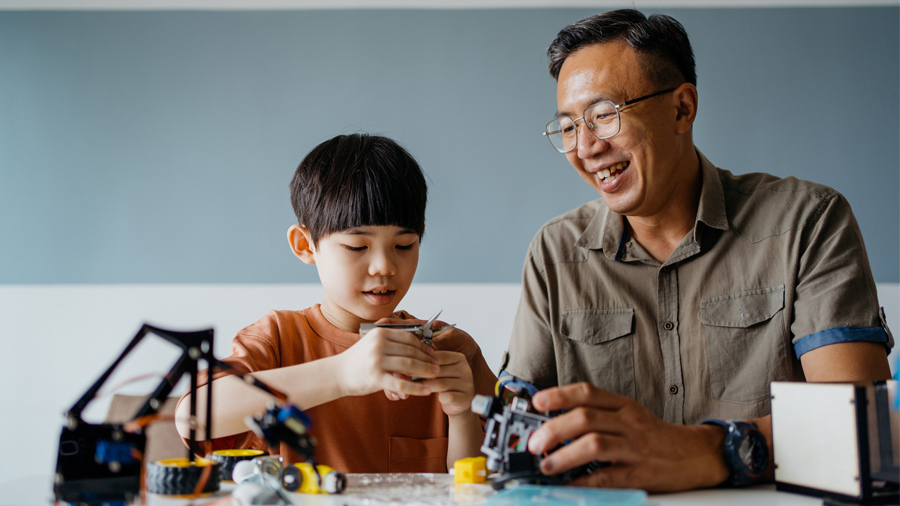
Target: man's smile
[{"x": 608, "y": 175}]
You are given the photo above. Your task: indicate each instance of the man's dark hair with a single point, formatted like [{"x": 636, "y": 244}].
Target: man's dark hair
[
  {"x": 669, "y": 60},
  {"x": 358, "y": 180}
]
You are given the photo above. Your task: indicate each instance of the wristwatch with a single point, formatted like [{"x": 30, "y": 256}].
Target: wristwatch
[{"x": 746, "y": 451}]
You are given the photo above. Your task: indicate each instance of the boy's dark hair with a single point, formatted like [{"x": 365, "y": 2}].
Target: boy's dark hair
[
  {"x": 358, "y": 180},
  {"x": 669, "y": 59}
]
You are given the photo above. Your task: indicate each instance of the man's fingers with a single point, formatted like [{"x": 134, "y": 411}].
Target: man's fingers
[
  {"x": 588, "y": 448},
  {"x": 622, "y": 476},
  {"x": 573, "y": 425},
  {"x": 577, "y": 394}
]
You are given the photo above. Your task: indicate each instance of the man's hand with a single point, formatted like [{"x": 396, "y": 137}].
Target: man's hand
[
  {"x": 384, "y": 359},
  {"x": 453, "y": 383},
  {"x": 644, "y": 452}
]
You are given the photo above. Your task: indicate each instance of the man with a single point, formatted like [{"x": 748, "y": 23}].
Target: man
[{"x": 682, "y": 293}]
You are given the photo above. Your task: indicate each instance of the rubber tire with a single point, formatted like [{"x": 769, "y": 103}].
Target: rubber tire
[
  {"x": 169, "y": 480},
  {"x": 228, "y": 462}
]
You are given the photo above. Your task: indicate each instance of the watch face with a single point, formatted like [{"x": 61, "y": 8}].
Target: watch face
[
  {"x": 745, "y": 452},
  {"x": 753, "y": 452}
]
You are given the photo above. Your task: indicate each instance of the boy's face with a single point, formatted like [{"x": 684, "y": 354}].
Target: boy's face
[{"x": 365, "y": 271}]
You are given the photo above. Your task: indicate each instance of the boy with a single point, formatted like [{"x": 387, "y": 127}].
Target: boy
[{"x": 360, "y": 205}]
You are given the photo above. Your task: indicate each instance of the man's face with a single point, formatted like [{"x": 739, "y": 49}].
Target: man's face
[
  {"x": 642, "y": 159},
  {"x": 365, "y": 271}
]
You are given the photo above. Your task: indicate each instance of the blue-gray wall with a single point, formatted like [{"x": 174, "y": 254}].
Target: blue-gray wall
[{"x": 156, "y": 147}]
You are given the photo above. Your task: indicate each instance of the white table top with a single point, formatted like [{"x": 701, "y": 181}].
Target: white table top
[{"x": 431, "y": 489}]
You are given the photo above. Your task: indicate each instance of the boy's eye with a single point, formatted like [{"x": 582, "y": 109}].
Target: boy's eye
[
  {"x": 354, "y": 248},
  {"x": 405, "y": 247}
]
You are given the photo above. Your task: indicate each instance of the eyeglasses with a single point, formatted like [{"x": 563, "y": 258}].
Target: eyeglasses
[{"x": 602, "y": 120}]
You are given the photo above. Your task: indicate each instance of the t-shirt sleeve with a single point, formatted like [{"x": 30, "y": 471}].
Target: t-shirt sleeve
[
  {"x": 835, "y": 300},
  {"x": 531, "y": 354}
]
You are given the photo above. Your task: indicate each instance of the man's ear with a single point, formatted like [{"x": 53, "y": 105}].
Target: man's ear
[
  {"x": 685, "y": 97},
  {"x": 301, "y": 244}
]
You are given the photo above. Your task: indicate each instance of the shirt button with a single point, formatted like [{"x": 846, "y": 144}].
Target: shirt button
[
  {"x": 666, "y": 269},
  {"x": 668, "y": 325},
  {"x": 673, "y": 389}
]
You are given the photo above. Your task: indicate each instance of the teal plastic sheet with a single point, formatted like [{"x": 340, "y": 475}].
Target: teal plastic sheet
[{"x": 569, "y": 496}]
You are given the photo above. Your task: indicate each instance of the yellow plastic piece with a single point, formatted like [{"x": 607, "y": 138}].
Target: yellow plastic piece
[
  {"x": 184, "y": 462},
  {"x": 470, "y": 470},
  {"x": 310, "y": 483},
  {"x": 245, "y": 452}
]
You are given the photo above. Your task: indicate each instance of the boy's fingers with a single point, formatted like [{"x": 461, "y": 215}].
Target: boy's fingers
[
  {"x": 399, "y": 321},
  {"x": 402, "y": 348},
  {"x": 448, "y": 357},
  {"x": 404, "y": 387},
  {"x": 443, "y": 385},
  {"x": 410, "y": 366},
  {"x": 407, "y": 339}
]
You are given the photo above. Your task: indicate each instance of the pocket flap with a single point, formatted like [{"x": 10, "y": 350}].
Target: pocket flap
[
  {"x": 594, "y": 326},
  {"x": 742, "y": 309}
]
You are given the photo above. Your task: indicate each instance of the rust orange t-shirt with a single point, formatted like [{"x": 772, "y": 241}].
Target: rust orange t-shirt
[{"x": 365, "y": 434}]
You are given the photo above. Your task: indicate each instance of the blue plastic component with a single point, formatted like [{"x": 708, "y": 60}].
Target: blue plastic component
[
  {"x": 289, "y": 411},
  {"x": 114, "y": 451},
  {"x": 546, "y": 495}
]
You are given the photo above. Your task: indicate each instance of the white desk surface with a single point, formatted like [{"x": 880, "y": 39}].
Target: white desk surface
[{"x": 430, "y": 489}]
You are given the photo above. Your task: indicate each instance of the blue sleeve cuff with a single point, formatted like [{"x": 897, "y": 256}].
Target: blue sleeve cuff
[{"x": 840, "y": 335}]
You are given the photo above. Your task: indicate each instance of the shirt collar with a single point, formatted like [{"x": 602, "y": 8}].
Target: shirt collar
[
  {"x": 606, "y": 229},
  {"x": 712, "y": 197}
]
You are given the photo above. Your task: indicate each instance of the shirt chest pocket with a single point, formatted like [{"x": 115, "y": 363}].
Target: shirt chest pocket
[
  {"x": 597, "y": 345},
  {"x": 745, "y": 343}
]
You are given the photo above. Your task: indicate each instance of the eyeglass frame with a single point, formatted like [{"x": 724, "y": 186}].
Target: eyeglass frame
[{"x": 546, "y": 132}]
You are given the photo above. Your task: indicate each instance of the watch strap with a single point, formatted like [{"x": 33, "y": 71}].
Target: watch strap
[{"x": 737, "y": 434}]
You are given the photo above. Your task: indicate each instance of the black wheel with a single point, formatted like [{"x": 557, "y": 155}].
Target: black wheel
[
  {"x": 291, "y": 479},
  {"x": 180, "y": 476},
  {"x": 335, "y": 482}
]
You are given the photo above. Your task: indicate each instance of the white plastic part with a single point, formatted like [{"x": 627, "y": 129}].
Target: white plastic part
[
  {"x": 246, "y": 493},
  {"x": 243, "y": 470}
]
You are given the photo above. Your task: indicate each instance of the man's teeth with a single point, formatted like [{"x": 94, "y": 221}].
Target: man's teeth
[{"x": 609, "y": 174}]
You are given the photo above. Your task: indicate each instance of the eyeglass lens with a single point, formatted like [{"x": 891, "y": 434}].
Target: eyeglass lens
[{"x": 602, "y": 120}]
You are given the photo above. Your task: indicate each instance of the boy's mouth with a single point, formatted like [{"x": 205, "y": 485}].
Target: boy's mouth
[{"x": 380, "y": 296}]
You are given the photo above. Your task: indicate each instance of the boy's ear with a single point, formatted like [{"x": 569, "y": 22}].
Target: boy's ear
[{"x": 301, "y": 245}]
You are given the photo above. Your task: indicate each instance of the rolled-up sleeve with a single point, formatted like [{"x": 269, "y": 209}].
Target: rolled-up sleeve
[{"x": 836, "y": 300}]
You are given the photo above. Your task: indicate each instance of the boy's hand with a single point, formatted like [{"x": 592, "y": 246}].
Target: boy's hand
[
  {"x": 370, "y": 365},
  {"x": 453, "y": 383}
]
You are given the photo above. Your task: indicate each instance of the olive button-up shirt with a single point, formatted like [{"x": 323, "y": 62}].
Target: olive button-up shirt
[{"x": 771, "y": 269}]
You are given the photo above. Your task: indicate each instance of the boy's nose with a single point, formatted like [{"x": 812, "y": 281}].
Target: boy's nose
[{"x": 382, "y": 265}]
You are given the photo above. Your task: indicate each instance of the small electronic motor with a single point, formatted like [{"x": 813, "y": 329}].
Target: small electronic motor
[{"x": 318, "y": 479}]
